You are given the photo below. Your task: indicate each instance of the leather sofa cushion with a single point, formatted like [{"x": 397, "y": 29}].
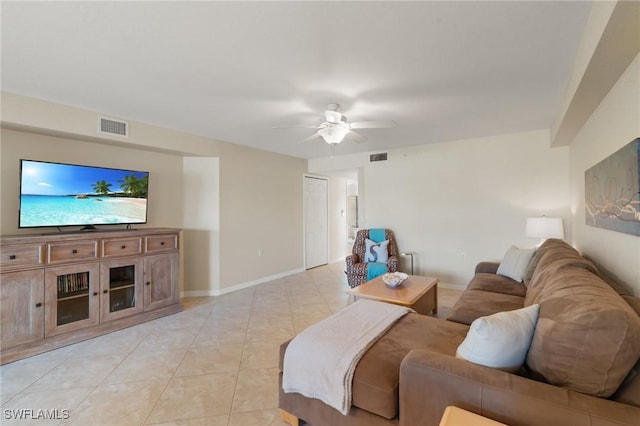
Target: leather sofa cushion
[
  {"x": 474, "y": 304},
  {"x": 559, "y": 248},
  {"x": 497, "y": 284},
  {"x": 487, "y": 267},
  {"x": 629, "y": 391},
  {"x": 587, "y": 337},
  {"x": 377, "y": 376},
  {"x": 553, "y": 254}
]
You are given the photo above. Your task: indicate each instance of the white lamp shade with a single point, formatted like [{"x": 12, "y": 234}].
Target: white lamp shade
[
  {"x": 333, "y": 134},
  {"x": 333, "y": 116},
  {"x": 544, "y": 227}
]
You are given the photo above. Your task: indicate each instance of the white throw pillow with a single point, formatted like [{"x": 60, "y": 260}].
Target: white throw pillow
[
  {"x": 514, "y": 263},
  {"x": 376, "y": 252},
  {"x": 500, "y": 340}
]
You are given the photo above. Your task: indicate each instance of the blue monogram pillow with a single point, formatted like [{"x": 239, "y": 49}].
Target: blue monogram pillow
[{"x": 376, "y": 252}]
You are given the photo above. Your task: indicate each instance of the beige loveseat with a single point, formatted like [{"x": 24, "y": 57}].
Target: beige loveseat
[{"x": 579, "y": 369}]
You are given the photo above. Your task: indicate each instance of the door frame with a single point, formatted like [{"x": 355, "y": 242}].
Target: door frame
[{"x": 304, "y": 216}]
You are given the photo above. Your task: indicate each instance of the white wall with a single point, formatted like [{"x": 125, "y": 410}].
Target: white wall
[
  {"x": 39, "y": 116},
  {"x": 337, "y": 219},
  {"x": 259, "y": 199},
  {"x": 456, "y": 203},
  {"x": 165, "y": 173},
  {"x": 614, "y": 123},
  {"x": 201, "y": 212},
  {"x": 260, "y": 208}
]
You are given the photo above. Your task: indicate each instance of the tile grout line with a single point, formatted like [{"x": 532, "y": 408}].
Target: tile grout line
[{"x": 164, "y": 389}]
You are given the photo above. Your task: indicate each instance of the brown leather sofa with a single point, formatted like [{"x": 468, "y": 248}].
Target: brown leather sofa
[{"x": 580, "y": 369}]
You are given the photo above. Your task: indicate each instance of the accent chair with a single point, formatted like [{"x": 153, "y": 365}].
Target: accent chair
[{"x": 358, "y": 271}]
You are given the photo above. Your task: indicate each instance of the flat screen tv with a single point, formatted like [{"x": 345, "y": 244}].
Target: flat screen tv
[{"x": 56, "y": 194}]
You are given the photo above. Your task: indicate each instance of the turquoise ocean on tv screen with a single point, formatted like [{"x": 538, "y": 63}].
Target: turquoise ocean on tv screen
[{"x": 46, "y": 210}]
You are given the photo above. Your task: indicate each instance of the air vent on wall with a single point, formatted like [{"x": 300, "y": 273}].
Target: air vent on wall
[
  {"x": 113, "y": 127},
  {"x": 378, "y": 157}
]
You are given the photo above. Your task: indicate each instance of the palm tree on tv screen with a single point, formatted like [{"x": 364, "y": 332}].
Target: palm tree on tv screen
[
  {"x": 101, "y": 187},
  {"x": 133, "y": 186}
]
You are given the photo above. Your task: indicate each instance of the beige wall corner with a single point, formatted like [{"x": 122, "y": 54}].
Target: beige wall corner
[
  {"x": 459, "y": 202},
  {"x": 39, "y": 116},
  {"x": 201, "y": 224},
  {"x": 337, "y": 219},
  {"x": 234, "y": 197},
  {"x": 610, "y": 42},
  {"x": 165, "y": 173},
  {"x": 614, "y": 123},
  {"x": 261, "y": 215}
]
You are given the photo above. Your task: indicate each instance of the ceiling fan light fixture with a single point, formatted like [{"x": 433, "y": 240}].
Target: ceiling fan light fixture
[
  {"x": 333, "y": 116},
  {"x": 335, "y": 127},
  {"x": 333, "y": 134}
]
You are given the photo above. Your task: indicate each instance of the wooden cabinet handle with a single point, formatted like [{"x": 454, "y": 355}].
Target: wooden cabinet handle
[
  {"x": 123, "y": 247},
  {"x": 38, "y": 305},
  {"x": 161, "y": 243},
  {"x": 95, "y": 293},
  {"x": 105, "y": 291},
  {"x": 148, "y": 282},
  {"x": 12, "y": 257},
  {"x": 74, "y": 251}
]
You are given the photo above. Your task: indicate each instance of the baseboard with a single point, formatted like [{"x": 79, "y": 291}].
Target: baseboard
[
  {"x": 452, "y": 286},
  {"x": 197, "y": 293},
  {"x": 241, "y": 286},
  {"x": 338, "y": 259}
]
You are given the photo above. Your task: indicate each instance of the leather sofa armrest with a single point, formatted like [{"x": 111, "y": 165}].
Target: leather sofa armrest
[
  {"x": 487, "y": 267},
  {"x": 430, "y": 381}
]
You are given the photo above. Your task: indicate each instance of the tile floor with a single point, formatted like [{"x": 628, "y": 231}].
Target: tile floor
[{"x": 215, "y": 363}]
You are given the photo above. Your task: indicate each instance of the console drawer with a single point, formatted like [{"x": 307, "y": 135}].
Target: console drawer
[
  {"x": 21, "y": 256},
  {"x": 160, "y": 243},
  {"x": 72, "y": 251},
  {"x": 112, "y": 247}
]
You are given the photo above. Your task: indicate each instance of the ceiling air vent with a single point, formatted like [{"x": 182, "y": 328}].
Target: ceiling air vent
[
  {"x": 378, "y": 157},
  {"x": 113, "y": 127}
]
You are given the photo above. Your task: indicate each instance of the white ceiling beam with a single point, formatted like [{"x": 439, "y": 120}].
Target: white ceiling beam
[{"x": 599, "y": 64}]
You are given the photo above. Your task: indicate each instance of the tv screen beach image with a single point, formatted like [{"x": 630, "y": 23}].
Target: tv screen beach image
[{"x": 53, "y": 194}]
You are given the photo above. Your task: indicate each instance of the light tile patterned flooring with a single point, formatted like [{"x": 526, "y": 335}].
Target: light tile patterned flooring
[{"x": 215, "y": 363}]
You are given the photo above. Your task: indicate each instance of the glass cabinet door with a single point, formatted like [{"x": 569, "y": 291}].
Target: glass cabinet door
[
  {"x": 121, "y": 281},
  {"x": 71, "y": 297}
]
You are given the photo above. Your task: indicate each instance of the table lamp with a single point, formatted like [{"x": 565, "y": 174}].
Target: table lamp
[{"x": 544, "y": 228}]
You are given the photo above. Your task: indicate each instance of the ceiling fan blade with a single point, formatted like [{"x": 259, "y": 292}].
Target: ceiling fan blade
[
  {"x": 372, "y": 124},
  {"x": 355, "y": 137},
  {"x": 299, "y": 126},
  {"x": 310, "y": 138}
]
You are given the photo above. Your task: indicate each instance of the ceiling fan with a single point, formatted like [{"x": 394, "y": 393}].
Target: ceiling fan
[{"x": 335, "y": 126}]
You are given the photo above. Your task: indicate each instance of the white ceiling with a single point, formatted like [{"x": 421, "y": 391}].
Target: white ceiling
[{"x": 231, "y": 70}]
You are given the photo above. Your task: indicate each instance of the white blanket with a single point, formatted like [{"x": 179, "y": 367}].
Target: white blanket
[{"x": 320, "y": 362}]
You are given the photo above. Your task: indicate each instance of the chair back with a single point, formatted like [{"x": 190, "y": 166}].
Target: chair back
[{"x": 359, "y": 246}]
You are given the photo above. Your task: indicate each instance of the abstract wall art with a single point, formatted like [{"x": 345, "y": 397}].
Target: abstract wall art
[{"x": 612, "y": 191}]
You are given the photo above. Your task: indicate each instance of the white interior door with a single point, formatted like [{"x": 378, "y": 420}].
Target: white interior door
[{"x": 316, "y": 228}]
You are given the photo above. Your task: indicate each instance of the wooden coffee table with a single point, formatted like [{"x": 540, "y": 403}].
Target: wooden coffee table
[
  {"x": 416, "y": 292},
  {"x": 454, "y": 416}
]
